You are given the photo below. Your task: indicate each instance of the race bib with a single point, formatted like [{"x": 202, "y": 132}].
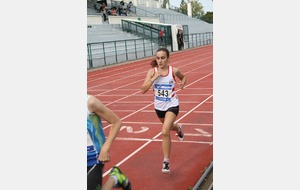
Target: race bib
[{"x": 163, "y": 92}]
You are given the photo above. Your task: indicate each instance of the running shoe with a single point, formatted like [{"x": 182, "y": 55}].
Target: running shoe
[
  {"x": 166, "y": 168},
  {"x": 180, "y": 133},
  {"x": 123, "y": 181}
]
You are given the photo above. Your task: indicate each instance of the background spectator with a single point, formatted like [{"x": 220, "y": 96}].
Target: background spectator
[
  {"x": 129, "y": 5},
  {"x": 103, "y": 10},
  {"x": 161, "y": 36},
  {"x": 180, "y": 39}
]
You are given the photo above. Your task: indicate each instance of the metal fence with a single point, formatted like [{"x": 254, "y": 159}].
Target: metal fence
[{"x": 110, "y": 52}]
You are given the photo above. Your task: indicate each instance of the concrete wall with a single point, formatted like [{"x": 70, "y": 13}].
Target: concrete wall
[
  {"x": 94, "y": 19},
  {"x": 117, "y": 19},
  {"x": 97, "y": 19}
]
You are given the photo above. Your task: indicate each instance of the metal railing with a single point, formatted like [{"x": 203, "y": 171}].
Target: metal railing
[
  {"x": 203, "y": 176},
  {"x": 110, "y": 52}
]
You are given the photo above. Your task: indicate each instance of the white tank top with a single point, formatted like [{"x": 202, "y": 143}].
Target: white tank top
[{"x": 164, "y": 91}]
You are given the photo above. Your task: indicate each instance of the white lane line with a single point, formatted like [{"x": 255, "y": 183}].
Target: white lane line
[
  {"x": 160, "y": 140},
  {"x": 159, "y": 123},
  {"x": 122, "y": 98},
  {"x": 133, "y": 89},
  {"x": 200, "y": 88},
  {"x": 203, "y": 111},
  {"x": 143, "y": 95},
  {"x": 150, "y": 140},
  {"x": 136, "y": 67},
  {"x": 153, "y": 102},
  {"x": 194, "y": 108},
  {"x": 143, "y": 79},
  {"x": 118, "y": 87},
  {"x": 132, "y": 113},
  {"x": 133, "y": 153},
  {"x": 141, "y": 147},
  {"x": 152, "y": 111},
  {"x": 146, "y": 102},
  {"x": 130, "y": 76},
  {"x": 130, "y": 66}
]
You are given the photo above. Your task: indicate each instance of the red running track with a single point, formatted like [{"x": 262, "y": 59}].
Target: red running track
[{"x": 138, "y": 147}]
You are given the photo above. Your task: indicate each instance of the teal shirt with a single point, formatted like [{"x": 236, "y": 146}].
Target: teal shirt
[{"x": 95, "y": 137}]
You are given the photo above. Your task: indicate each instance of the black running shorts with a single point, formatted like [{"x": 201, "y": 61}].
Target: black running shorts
[
  {"x": 94, "y": 177},
  {"x": 161, "y": 114}
]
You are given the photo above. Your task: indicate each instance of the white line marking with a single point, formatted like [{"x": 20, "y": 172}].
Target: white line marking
[
  {"x": 129, "y": 129},
  {"x": 132, "y": 113},
  {"x": 143, "y": 95},
  {"x": 137, "y": 65},
  {"x": 150, "y": 140},
  {"x": 152, "y": 111},
  {"x": 152, "y": 95},
  {"x": 133, "y": 153},
  {"x": 159, "y": 140},
  {"x": 158, "y": 123},
  {"x": 122, "y": 98},
  {"x": 139, "y": 73},
  {"x": 146, "y": 102},
  {"x": 153, "y": 102},
  {"x": 196, "y": 135}
]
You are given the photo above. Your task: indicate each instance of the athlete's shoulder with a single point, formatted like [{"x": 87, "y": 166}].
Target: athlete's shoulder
[
  {"x": 175, "y": 69},
  {"x": 90, "y": 97},
  {"x": 92, "y": 102},
  {"x": 151, "y": 71}
]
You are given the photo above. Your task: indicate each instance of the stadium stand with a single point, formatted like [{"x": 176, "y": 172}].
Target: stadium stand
[{"x": 105, "y": 38}]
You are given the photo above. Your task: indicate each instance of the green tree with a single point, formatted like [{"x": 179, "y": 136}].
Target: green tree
[
  {"x": 197, "y": 8},
  {"x": 183, "y": 7},
  {"x": 164, "y": 3},
  {"x": 208, "y": 17}
]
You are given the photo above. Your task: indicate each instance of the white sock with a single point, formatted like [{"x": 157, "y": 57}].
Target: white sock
[
  {"x": 115, "y": 178},
  {"x": 178, "y": 127},
  {"x": 166, "y": 159}
]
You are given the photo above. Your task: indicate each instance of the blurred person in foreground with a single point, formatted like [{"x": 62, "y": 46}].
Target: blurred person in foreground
[{"x": 98, "y": 147}]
